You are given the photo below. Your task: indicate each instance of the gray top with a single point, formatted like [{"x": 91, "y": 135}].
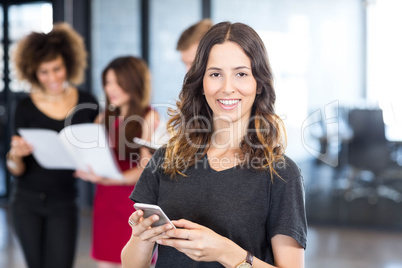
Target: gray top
[{"x": 241, "y": 204}]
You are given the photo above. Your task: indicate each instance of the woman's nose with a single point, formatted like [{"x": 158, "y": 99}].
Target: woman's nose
[
  {"x": 51, "y": 76},
  {"x": 228, "y": 86}
]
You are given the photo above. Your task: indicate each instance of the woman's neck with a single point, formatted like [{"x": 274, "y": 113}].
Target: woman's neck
[
  {"x": 227, "y": 134},
  {"x": 55, "y": 97},
  {"x": 124, "y": 110}
]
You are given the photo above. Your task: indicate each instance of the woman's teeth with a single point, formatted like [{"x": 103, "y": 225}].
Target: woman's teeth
[{"x": 229, "y": 102}]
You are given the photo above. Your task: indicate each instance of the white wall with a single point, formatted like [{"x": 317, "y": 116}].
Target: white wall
[{"x": 316, "y": 51}]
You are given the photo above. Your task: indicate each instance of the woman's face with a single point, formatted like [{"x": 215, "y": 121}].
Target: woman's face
[
  {"x": 116, "y": 95},
  {"x": 188, "y": 56},
  {"x": 229, "y": 85},
  {"x": 52, "y": 75}
]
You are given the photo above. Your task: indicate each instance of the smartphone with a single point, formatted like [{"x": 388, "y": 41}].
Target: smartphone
[{"x": 150, "y": 210}]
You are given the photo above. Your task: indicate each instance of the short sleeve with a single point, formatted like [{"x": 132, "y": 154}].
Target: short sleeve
[
  {"x": 287, "y": 214},
  {"x": 147, "y": 188}
]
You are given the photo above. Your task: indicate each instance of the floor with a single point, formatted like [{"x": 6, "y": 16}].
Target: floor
[
  {"x": 10, "y": 252},
  {"x": 331, "y": 198},
  {"x": 327, "y": 247},
  {"x": 348, "y": 234}
]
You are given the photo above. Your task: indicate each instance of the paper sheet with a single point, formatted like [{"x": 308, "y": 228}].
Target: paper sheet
[
  {"x": 75, "y": 147},
  {"x": 158, "y": 138},
  {"x": 89, "y": 143},
  {"x": 48, "y": 151}
]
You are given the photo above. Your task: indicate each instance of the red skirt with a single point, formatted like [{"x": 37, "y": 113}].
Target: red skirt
[{"x": 111, "y": 232}]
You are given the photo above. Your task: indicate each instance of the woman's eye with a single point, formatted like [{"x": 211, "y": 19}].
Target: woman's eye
[
  {"x": 215, "y": 75},
  {"x": 241, "y": 74}
]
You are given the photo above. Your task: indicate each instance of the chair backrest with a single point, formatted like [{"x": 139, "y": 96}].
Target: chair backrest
[
  {"x": 368, "y": 149},
  {"x": 368, "y": 126}
]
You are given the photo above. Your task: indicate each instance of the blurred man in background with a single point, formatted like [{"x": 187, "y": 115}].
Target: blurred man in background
[{"x": 189, "y": 40}]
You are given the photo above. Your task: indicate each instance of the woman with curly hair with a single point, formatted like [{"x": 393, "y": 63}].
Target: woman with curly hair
[
  {"x": 223, "y": 179},
  {"x": 43, "y": 203}
]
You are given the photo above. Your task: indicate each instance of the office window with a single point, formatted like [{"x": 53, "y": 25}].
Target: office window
[
  {"x": 115, "y": 32},
  {"x": 384, "y": 57},
  {"x": 2, "y": 61},
  {"x": 315, "y": 50},
  {"x": 165, "y": 29},
  {"x": 1, "y": 51},
  {"x": 22, "y": 20},
  {"x": 3, "y": 188}
]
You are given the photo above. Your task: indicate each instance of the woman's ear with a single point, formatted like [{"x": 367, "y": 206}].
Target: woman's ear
[{"x": 259, "y": 90}]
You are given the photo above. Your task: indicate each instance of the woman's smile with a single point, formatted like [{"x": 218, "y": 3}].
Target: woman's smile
[
  {"x": 228, "y": 104},
  {"x": 229, "y": 85}
]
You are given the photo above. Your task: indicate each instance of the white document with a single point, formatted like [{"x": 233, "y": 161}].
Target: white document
[
  {"x": 75, "y": 147},
  {"x": 158, "y": 138}
]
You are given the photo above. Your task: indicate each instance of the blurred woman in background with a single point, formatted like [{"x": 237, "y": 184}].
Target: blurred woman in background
[
  {"x": 43, "y": 203},
  {"x": 127, "y": 85}
]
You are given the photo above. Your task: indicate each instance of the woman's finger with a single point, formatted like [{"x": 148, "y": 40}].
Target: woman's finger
[
  {"x": 136, "y": 216},
  {"x": 140, "y": 224},
  {"x": 153, "y": 234},
  {"x": 186, "y": 224},
  {"x": 83, "y": 175},
  {"x": 16, "y": 140},
  {"x": 174, "y": 242},
  {"x": 142, "y": 227},
  {"x": 185, "y": 234},
  {"x": 20, "y": 147},
  {"x": 19, "y": 142}
]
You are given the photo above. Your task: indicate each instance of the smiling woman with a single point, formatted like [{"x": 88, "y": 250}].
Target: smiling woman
[
  {"x": 223, "y": 178},
  {"x": 127, "y": 84},
  {"x": 229, "y": 85},
  {"x": 43, "y": 200},
  {"x": 52, "y": 76},
  {"x": 56, "y": 98}
]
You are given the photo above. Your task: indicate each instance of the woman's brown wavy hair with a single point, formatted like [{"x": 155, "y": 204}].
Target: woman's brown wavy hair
[
  {"x": 190, "y": 124},
  {"x": 37, "y": 48},
  {"x": 134, "y": 77}
]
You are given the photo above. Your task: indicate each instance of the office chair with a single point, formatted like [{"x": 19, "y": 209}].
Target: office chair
[{"x": 369, "y": 156}]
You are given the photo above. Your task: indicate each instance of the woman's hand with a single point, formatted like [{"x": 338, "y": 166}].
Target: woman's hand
[
  {"x": 141, "y": 227},
  {"x": 138, "y": 250},
  {"x": 92, "y": 177},
  {"x": 19, "y": 147},
  {"x": 196, "y": 241}
]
